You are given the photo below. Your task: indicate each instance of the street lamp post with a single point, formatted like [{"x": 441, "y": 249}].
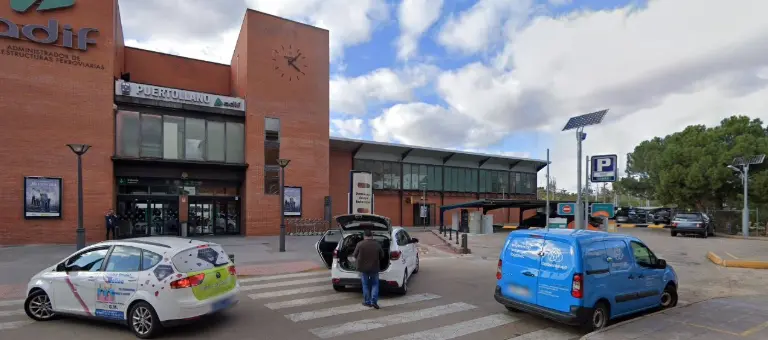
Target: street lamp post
[
  {"x": 79, "y": 150},
  {"x": 283, "y": 163},
  {"x": 744, "y": 162}
]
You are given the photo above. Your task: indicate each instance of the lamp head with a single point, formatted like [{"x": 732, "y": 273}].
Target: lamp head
[
  {"x": 79, "y": 149},
  {"x": 734, "y": 168},
  {"x": 283, "y": 162}
]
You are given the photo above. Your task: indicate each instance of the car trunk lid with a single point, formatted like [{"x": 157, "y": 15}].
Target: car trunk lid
[
  {"x": 360, "y": 222},
  {"x": 210, "y": 264}
]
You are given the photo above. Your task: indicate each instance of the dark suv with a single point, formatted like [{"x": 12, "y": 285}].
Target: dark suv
[{"x": 696, "y": 223}]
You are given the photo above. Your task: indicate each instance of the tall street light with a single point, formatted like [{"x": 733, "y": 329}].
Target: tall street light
[
  {"x": 79, "y": 150},
  {"x": 745, "y": 162},
  {"x": 283, "y": 163}
]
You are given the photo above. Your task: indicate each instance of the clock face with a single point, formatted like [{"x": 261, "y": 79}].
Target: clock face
[{"x": 289, "y": 62}]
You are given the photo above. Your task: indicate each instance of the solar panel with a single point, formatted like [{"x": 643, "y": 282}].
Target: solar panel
[
  {"x": 749, "y": 160},
  {"x": 593, "y": 118}
]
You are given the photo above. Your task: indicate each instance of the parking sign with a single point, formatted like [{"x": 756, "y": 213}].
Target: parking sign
[{"x": 604, "y": 168}]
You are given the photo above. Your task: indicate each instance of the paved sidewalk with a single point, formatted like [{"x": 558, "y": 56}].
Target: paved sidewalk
[{"x": 744, "y": 317}]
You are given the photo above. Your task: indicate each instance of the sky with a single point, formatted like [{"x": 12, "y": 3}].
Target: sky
[{"x": 504, "y": 76}]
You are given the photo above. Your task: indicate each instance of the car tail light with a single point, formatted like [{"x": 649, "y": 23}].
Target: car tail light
[
  {"x": 498, "y": 271},
  {"x": 335, "y": 254},
  {"x": 232, "y": 270},
  {"x": 394, "y": 255},
  {"x": 577, "y": 287},
  {"x": 393, "y": 283},
  {"x": 674, "y": 224},
  {"x": 188, "y": 282},
  {"x": 202, "y": 246}
]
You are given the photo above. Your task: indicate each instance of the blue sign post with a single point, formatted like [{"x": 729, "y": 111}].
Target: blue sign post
[
  {"x": 604, "y": 168},
  {"x": 566, "y": 209}
]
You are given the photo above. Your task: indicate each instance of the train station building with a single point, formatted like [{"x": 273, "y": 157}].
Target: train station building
[{"x": 186, "y": 147}]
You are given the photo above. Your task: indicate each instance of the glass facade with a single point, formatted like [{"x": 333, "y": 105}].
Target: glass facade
[
  {"x": 271, "y": 155},
  {"x": 141, "y": 135},
  {"x": 387, "y": 175}
]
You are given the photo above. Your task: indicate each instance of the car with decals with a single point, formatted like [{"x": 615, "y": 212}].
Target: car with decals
[
  {"x": 336, "y": 247},
  {"x": 146, "y": 283},
  {"x": 582, "y": 277}
]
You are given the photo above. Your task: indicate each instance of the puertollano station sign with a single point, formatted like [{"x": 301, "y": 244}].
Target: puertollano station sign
[{"x": 53, "y": 33}]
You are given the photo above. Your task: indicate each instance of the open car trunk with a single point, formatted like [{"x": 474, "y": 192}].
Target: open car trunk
[{"x": 352, "y": 227}]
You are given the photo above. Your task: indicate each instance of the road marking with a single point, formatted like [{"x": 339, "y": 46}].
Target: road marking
[
  {"x": 4, "y": 313},
  {"x": 267, "y": 295},
  {"x": 546, "y": 333},
  {"x": 731, "y": 255},
  {"x": 14, "y": 324},
  {"x": 284, "y": 283},
  {"x": 358, "y": 307},
  {"x": 11, "y": 303},
  {"x": 310, "y": 301},
  {"x": 460, "y": 329},
  {"x": 389, "y": 320},
  {"x": 280, "y": 277},
  {"x": 755, "y": 329}
]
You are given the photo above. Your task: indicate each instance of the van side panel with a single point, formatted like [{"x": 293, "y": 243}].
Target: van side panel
[
  {"x": 520, "y": 267},
  {"x": 560, "y": 261},
  {"x": 597, "y": 273},
  {"x": 623, "y": 287}
]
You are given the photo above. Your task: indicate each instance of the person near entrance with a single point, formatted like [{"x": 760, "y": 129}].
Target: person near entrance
[
  {"x": 368, "y": 253},
  {"x": 110, "y": 222}
]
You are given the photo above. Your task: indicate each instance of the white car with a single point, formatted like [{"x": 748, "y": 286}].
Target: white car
[
  {"x": 147, "y": 283},
  {"x": 336, "y": 248}
]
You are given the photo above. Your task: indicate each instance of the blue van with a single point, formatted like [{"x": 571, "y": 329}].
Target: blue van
[{"x": 581, "y": 277}]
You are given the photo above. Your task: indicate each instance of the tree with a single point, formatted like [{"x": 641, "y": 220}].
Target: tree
[{"x": 689, "y": 168}]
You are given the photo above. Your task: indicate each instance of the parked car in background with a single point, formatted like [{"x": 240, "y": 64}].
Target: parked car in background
[
  {"x": 696, "y": 223},
  {"x": 622, "y": 215},
  {"x": 582, "y": 277},
  {"x": 662, "y": 216}
]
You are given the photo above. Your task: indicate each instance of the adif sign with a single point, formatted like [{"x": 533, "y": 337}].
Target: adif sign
[
  {"x": 360, "y": 192},
  {"x": 48, "y": 34},
  {"x": 604, "y": 168}
]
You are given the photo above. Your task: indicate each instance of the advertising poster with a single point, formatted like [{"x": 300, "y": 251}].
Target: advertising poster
[
  {"x": 42, "y": 197},
  {"x": 361, "y": 192},
  {"x": 292, "y": 196}
]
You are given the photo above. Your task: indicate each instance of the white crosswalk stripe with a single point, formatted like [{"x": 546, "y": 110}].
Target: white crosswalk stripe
[
  {"x": 17, "y": 303},
  {"x": 12, "y": 315},
  {"x": 14, "y": 324},
  {"x": 352, "y": 319}
]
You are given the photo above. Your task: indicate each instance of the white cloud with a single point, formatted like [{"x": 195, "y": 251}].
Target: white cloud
[
  {"x": 349, "y": 22},
  {"x": 349, "y": 128},
  {"x": 354, "y": 95},
  {"x": 477, "y": 28},
  {"x": 559, "y": 3},
  {"x": 416, "y": 17}
]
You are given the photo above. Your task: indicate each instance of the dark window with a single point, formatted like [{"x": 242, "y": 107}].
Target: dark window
[
  {"x": 643, "y": 255},
  {"x": 438, "y": 178},
  {"x": 216, "y": 141},
  {"x": 519, "y": 184},
  {"x": 89, "y": 261},
  {"x": 482, "y": 180},
  {"x": 173, "y": 137},
  {"x": 271, "y": 141},
  {"x": 128, "y": 134},
  {"x": 512, "y": 184},
  {"x": 149, "y": 259},
  {"x": 406, "y": 176},
  {"x": 194, "y": 141},
  {"x": 377, "y": 172},
  {"x": 235, "y": 142},
  {"x": 272, "y": 180},
  {"x": 124, "y": 259},
  {"x": 151, "y": 136}
]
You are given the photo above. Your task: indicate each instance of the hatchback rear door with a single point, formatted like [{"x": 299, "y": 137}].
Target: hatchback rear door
[
  {"x": 326, "y": 245},
  {"x": 210, "y": 263},
  {"x": 360, "y": 222},
  {"x": 559, "y": 262},
  {"x": 520, "y": 267}
]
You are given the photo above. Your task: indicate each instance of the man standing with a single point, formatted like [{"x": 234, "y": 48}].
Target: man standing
[
  {"x": 368, "y": 253},
  {"x": 111, "y": 222}
]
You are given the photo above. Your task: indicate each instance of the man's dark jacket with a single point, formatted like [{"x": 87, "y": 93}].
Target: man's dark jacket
[
  {"x": 368, "y": 254},
  {"x": 110, "y": 221}
]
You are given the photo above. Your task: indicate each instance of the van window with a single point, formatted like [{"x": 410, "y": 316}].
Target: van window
[
  {"x": 200, "y": 258},
  {"x": 643, "y": 256},
  {"x": 594, "y": 258},
  {"x": 618, "y": 252}
]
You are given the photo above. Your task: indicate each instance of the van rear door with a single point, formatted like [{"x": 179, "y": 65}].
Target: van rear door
[
  {"x": 557, "y": 268},
  {"x": 520, "y": 267}
]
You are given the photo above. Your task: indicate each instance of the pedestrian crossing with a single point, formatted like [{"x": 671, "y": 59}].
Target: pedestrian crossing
[
  {"x": 12, "y": 315},
  {"x": 308, "y": 300}
]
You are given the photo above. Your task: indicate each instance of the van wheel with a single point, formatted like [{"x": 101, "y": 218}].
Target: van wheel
[
  {"x": 38, "y": 306},
  {"x": 404, "y": 289},
  {"x": 417, "y": 265},
  {"x": 598, "y": 319},
  {"x": 143, "y": 321},
  {"x": 338, "y": 288},
  {"x": 669, "y": 297}
]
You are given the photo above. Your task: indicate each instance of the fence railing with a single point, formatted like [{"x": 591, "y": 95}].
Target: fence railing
[{"x": 306, "y": 226}]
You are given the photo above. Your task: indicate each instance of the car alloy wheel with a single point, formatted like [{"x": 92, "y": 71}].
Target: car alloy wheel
[
  {"x": 38, "y": 306},
  {"x": 143, "y": 321}
]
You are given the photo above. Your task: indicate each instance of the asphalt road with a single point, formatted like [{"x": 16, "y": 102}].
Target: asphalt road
[{"x": 450, "y": 298}]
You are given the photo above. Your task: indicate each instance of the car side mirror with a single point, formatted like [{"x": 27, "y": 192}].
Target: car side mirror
[
  {"x": 661, "y": 263},
  {"x": 61, "y": 267},
  {"x": 414, "y": 240}
]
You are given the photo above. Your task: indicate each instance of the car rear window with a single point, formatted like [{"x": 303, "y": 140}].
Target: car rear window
[
  {"x": 333, "y": 236},
  {"x": 200, "y": 258},
  {"x": 688, "y": 217}
]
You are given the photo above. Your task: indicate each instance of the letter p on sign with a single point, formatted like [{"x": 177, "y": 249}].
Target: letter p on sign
[{"x": 603, "y": 163}]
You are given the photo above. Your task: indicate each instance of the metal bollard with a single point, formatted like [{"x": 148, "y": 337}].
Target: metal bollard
[
  {"x": 450, "y": 235},
  {"x": 232, "y": 258},
  {"x": 457, "y": 236},
  {"x": 464, "y": 249}
]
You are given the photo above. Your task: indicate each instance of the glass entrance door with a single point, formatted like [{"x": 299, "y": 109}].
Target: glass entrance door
[
  {"x": 200, "y": 218},
  {"x": 139, "y": 217},
  {"x": 213, "y": 216}
]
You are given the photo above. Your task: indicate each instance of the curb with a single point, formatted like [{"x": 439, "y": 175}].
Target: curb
[
  {"x": 714, "y": 258},
  {"x": 625, "y": 322},
  {"x": 750, "y": 238},
  {"x": 456, "y": 249}
]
